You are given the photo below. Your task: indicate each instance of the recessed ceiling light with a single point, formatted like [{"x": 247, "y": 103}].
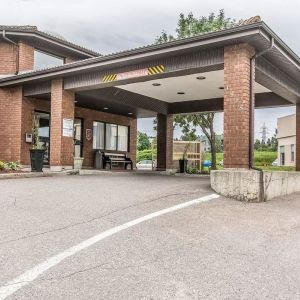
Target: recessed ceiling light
[
  {"x": 221, "y": 88},
  {"x": 130, "y": 113},
  {"x": 180, "y": 93},
  {"x": 201, "y": 77},
  {"x": 156, "y": 84},
  {"x": 105, "y": 108}
]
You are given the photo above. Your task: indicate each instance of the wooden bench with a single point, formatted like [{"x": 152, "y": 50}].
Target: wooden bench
[{"x": 110, "y": 158}]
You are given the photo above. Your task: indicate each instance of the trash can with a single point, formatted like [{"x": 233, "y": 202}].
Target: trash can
[{"x": 98, "y": 160}]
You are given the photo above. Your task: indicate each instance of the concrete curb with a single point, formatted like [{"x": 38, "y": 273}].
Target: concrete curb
[{"x": 36, "y": 174}]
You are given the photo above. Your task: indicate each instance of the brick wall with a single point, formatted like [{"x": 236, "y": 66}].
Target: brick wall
[
  {"x": 10, "y": 123},
  {"x": 26, "y": 57},
  {"x": 8, "y": 58},
  {"x": 237, "y": 105},
  {"x": 297, "y": 137},
  {"x": 89, "y": 116},
  {"x": 62, "y": 106},
  {"x": 164, "y": 142}
]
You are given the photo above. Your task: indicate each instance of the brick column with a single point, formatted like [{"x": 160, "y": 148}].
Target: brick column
[
  {"x": 62, "y": 107},
  {"x": 297, "y": 137},
  {"x": 133, "y": 141},
  {"x": 164, "y": 142},
  {"x": 237, "y": 105}
]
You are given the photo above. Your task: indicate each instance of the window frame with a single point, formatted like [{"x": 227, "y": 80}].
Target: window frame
[
  {"x": 117, "y": 140},
  {"x": 292, "y": 152},
  {"x": 62, "y": 58}
]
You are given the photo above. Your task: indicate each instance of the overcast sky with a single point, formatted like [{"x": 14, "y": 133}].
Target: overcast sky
[{"x": 114, "y": 25}]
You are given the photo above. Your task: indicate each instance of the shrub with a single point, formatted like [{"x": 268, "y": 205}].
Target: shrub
[
  {"x": 2, "y": 165},
  {"x": 144, "y": 155}
]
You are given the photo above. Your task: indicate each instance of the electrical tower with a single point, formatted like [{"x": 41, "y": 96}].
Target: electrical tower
[{"x": 264, "y": 132}]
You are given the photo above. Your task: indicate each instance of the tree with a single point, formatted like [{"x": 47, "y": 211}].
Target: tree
[
  {"x": 190, "y": 26},
  {"x": 143, "y": 142}
]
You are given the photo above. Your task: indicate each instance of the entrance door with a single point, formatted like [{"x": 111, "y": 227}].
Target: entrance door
[
  {"x": 78, "y": 139},
  {"x": 44, "y": 133}
]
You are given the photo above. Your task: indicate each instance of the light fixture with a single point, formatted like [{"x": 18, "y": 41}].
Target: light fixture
[
  {"x": 180, "y": 93},
  {"x": 75, "y": 101},
  {"x": 221, "y": 88},
  {"x": 105, "y": 108},
  {"x": 130, "y": 113},
  {"x": 156, "y": 84},
  {"x": 201, "y": 77}
]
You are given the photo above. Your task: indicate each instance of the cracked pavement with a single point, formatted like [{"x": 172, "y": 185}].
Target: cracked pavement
[{"x": 222, "y": 249}]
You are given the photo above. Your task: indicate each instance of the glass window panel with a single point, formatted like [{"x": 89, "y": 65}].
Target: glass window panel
[
  {"x": 122, "y": 138},
  {"x": 111, "y": 137},
  {"x": 43, "y": 60},
  {"x": 98, "y": 135}
]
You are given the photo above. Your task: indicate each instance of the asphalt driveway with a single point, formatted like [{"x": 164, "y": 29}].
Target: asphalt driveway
[{"x": 216, "y": 249}]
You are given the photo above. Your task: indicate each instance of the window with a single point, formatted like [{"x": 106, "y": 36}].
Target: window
[
  {"x": 292, "y": 153},
  {"x": 122, "y": 138},
  {"x": 43, "y": 60},
  {"x": 110, "y": 136},
  {"x": 282, "y": 156},
  {"x": 98, "y": 135}
]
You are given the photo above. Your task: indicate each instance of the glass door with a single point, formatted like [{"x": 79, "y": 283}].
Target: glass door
[
  {"x": 78, "y": 138},
  {"x": 44, "y": 133}
]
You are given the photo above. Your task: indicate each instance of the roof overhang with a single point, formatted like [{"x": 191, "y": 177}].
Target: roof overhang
[{"x": 47, "y": 42}]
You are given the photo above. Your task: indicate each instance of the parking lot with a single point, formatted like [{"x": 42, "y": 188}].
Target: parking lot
[{"x": 212, "y": 248}]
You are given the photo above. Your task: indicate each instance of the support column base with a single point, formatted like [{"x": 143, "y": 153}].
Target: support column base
[{"x": 240, "y": 184}]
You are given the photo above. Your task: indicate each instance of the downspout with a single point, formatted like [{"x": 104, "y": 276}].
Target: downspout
[
  {"x": 252, "y": 108},
  {"x": 17, "y": 54}
]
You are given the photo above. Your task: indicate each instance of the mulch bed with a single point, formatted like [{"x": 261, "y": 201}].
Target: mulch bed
[{"x": 11, "y": 171}]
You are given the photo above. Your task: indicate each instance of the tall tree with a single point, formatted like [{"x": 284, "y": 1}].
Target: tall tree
[
  {"x": 189, "y": 25},
  {"x": 143, "y": 142}
]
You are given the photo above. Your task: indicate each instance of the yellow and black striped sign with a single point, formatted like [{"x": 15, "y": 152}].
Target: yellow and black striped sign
[
  {"x": 156, "y": 70},
  {"x": 110, "y": 78},
  {"x": 135, "y": 73}
]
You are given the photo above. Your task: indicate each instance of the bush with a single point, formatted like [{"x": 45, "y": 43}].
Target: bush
[
  {"x": 9, "y": 165},
  {"x": 144, "y": 155},
  {"x": 2, "y": 165}
]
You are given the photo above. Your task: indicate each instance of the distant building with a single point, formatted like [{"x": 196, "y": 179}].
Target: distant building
[
  {"x": 206, "y": 143},
  {"x": 286, "y": 137}
]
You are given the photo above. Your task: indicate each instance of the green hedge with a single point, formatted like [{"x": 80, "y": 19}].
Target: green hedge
[
  {"x": 264, "y": 158},
  {"x": 144, "y": 155}
]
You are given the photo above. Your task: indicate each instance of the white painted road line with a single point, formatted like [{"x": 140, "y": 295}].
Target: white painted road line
[{"x": 24, "y": 279}]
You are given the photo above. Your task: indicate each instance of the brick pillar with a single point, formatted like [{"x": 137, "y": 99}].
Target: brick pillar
[
  {"x": 11, "y": 101},
  {"x": 26, "y": 57},
  {"x": 62, "y": 107},
  {"x": 133, "y": 141},
  {"x": 237, "y": 105},
  {"x": 164, "y": 142},
  {"x": 297, "y": 137}
]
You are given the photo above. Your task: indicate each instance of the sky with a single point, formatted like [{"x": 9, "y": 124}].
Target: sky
[{"x": 115, "y": 25}]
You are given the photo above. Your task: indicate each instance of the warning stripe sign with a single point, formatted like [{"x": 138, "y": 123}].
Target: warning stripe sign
[
  {"x": 156, "y": 70},
  {"x": 136, "y": 73}
]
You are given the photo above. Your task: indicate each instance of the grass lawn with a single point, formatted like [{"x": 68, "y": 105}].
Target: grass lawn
[{"x": 262, "y": 160}]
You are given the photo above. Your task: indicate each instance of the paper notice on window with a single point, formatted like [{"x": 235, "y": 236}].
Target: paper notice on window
[{"x": 68, "y": 127}]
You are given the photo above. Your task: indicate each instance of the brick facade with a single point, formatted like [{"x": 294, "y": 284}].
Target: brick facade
[
  {"x": 298, "y": 137},
  {"x": 8, "y": 58},
  {"x": 10, "y": 123},
  {"x": 164, "y": 142},
  {"x": 62, "y": 107},
  {"x": 237, "y": 105},
  {"x": 30, "y": 105},
  {"x": 26, "y": 57}
]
